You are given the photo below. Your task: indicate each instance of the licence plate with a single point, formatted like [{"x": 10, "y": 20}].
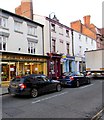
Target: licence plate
[{"x": 14, "y": 86}]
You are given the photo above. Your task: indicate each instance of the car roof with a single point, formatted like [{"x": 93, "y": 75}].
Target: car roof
[{"x": 30, "y": 75}]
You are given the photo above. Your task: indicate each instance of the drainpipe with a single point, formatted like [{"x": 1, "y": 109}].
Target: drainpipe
[
  {"x": 72, "y": 42},
  {"x": 43, "y": 39}
]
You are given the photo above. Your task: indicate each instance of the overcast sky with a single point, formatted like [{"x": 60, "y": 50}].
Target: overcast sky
[{"x": 65, "y": 10}]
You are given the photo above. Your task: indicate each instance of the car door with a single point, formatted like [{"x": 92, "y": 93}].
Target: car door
[
  {"x": 40, "y": 84},
  {"x": 50, "y": 84},
  {"x": 80, "y": 78}
]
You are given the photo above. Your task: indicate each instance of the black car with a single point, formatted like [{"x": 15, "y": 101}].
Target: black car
[
  {"x": 33, "y": 85},
  {"x": 74, "y": 79}
]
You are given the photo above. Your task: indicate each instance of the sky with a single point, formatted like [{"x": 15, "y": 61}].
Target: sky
[{"x": 65, "y": 10}]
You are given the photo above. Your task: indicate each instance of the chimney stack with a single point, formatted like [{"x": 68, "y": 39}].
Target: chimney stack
[
  {"x": 25, "y": 9},
  {"x": 87, "y": 20}
]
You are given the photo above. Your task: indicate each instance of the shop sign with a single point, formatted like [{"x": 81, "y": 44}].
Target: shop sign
[{"x": 12, "y": 69}]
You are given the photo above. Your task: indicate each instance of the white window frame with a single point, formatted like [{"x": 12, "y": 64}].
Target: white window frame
[
  {"x": 4, "y": 22},
  {"x": 67, "y": 33},
  {"x": 80, "y": 50},
  {"x": 3, "y": 41},
  {"x": 86, "y": 39},
  {"x": 60, "y": 30},
  {"x": 91, "y": 41},
  {"x": 31, "y": 47},
  {"x": 32, "y": 30},
  {"x": 17, "y": 26},
  {"x": 68, "y": 48},
  {"x": 79, "y": 36},
  {"x": 53, "y": 27}
]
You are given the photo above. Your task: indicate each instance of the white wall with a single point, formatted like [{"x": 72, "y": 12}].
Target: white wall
[
  {"x": 82, "y": 42},
  {"x": 94, "y": 59},
  {"x": 18, "y": 40},
  {"x": 60, "y": 48}
]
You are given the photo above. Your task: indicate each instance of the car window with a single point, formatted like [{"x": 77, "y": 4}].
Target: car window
[
  {"x": 39, "y": 78},
  {"x": 18, "y": 80}
]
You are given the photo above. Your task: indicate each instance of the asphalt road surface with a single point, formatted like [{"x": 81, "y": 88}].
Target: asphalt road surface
[{"x": 83, "y": 102}]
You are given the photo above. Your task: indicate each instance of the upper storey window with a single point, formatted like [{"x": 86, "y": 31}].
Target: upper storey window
[
  {"x": 67, "y": 33},
  {"x": 4, "y": 22},
  {"x": 53, "y": 27},
  {"x": 32, "y": 30},
  {"x": 17, "y": 26}
]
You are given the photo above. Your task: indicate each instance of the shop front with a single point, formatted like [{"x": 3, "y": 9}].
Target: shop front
[
  {"x": 68, "y": 63},
  {"x": 80, "y": 64},
  {"x": 54, "y": 65},
  {"x": 13, "y": 64}
]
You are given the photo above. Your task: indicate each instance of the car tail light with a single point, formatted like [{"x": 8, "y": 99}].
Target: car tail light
[
  {"x": 22, "y": 86},
  {"x": 71, "y": 78},
  {"x": 57, "y": 78}
]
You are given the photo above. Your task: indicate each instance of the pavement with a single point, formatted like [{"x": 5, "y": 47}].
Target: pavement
[{"x": 3, "y": 90}]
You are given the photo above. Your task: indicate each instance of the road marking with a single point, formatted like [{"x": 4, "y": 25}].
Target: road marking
[
  {"x": 47, "y": 98},
  {"x": 96, "y": 117},
  {"x": 86, "y": 86}
]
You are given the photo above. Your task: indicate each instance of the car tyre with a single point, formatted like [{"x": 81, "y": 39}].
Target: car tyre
[
  {"x": 34, "y": 93},
  {"x": 77, "y": 84},
  {"x": 58, "y": 87}
]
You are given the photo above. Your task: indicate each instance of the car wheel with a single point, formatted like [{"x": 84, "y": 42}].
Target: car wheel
[
  {"x": 77, "y": 84},
  {"x": 34, "y": 92},
  {"x": 58, "y": 88}
]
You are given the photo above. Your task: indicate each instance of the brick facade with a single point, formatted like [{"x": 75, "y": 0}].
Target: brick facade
[
  {"x": 25, "y": 9},
  {"x": 86, "y": 28}
]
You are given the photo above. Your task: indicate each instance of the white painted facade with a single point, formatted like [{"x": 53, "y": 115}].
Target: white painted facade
[
  {"x": 62, "y": 37},
  {"x": 82, "y": 43},
  {"x": 59, "y": 35},
  {"x": 21, "y": 34}
]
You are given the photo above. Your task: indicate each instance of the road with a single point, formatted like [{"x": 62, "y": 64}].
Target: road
[{"x": 82, "y": 102}]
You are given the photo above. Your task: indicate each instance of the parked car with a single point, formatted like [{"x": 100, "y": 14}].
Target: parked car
[
  {"x": 33, "y": 85},
  {"x": 74, "y": 79}
]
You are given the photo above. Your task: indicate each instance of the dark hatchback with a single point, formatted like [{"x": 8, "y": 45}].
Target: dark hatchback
[
  {"x": 33, "y": 85},
  {"x": 74, "y": 79}
]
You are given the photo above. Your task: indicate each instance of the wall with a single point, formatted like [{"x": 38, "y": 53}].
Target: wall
[{"x": 18, "y": 40}]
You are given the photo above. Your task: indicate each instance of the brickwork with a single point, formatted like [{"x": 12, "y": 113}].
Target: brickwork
[
  {"x": 86, "y": 28},
  {"x": 25, "y": 9}
]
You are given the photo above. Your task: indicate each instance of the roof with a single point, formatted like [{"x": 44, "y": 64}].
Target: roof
[{"x": 21, "y": 17}]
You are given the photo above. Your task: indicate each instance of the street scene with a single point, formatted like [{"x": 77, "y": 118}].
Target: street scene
[
  {"x": 48, "y": 68},
  {"x": 82, "y": 102}
]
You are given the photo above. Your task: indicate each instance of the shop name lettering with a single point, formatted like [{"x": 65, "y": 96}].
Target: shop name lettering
[{"x": 21, "y": 58}]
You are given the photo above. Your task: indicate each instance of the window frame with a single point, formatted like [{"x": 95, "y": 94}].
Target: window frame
[{"x": 3, "y": 40}]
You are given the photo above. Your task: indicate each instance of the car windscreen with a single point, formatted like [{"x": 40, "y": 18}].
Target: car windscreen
[{"x": 76, "y": 74}]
